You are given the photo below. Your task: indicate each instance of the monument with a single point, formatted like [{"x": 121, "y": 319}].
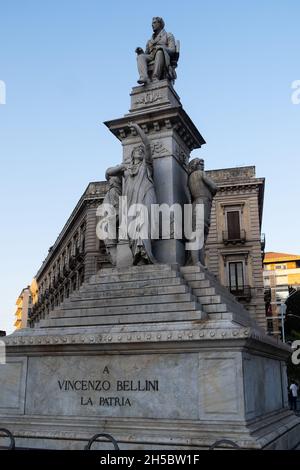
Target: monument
[{"x": 153, "y": 350}]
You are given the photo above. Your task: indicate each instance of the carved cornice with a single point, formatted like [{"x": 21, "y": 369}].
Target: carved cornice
[
  {"x": 130, "y": 337},
  {"x": 157, "y": 121},
  {"x": 190, "y": 337},
  {"x": 239, "y": 188}
]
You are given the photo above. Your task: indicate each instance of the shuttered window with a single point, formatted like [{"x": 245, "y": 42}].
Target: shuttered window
[
  {"x": 236, "y": 276},
  {"x": 233, "y": 225}
]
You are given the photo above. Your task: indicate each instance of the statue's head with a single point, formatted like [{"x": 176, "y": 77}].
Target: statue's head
[
  {"x": 157, "y": 24},
  {"x": 196, "y": 164},
  {"x": 113, "y": 181},
  {"x": 137, "y": 154}
]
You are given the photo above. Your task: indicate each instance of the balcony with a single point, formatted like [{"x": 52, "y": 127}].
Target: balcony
[
  {"x": 241, "y": 293},
  {"x": 234, "y": 239}
]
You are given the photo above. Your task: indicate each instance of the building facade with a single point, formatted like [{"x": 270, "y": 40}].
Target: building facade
[
  {"x": 235, "y": 245},
  {"x": 281, "y": 275},
  {"x": 23, "y": 312},
  {"x": 233, "y": 252},
  {"x": 76, "y": 255}
]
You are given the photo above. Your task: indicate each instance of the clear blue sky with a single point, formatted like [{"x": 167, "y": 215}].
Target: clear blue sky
[{"x": 69, "y": 65}]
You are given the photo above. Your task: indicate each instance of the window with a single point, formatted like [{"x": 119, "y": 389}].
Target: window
[
  {"x": 236, "y": 276},
  {"x": 75, "y": 243},
  {"x": 82, "y": 238},
  {"x": 233, "y": 225}
]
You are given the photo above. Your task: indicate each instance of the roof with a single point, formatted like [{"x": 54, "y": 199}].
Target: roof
[{"x": 274, "y": 257}]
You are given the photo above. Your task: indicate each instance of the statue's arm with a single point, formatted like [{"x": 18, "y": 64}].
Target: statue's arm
[
  {"x": 115, "y": 171},
  {"x": 210, "y": 184},
  {"x": 171, "y": 48},
  {"x": 144, "y": 139}
]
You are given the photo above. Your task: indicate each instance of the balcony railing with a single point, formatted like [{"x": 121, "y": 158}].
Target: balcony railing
[
  {"x": 241, "y": 293},
  {"x": 237, "y": 238}
]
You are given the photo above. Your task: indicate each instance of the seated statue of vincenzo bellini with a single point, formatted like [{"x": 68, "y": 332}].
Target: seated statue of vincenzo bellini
[{"x": 159, "y": 60}]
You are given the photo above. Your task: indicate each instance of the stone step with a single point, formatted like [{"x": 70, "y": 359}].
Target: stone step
[
  {"x": 136, "y": 276},
  {"x": 182, "y": 316},
  {"x": 126, "y": 309},
  {"x": 210, "y": 291},
  {"x": 122, "y": 301},
  {"x": 210, "y": 282},
  {"x": 215, "y": 308},
  {"x": 208, "y": 299},
  {"x": 219, "y": 287},
  {"x": 170, "y": 281},
  {"x": 96, "y": 293},
  {"x": 204, "y": 291},
  {"x": 190, "y": 269},
  {"x": 187, "y": 271},
  {"x": 194, "y": 276},
  {"x": 147, "y": 268},
  {"x": 199, "y": 284}
]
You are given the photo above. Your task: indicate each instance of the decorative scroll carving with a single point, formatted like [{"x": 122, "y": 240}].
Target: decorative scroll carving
[{"x": 149, "y": 98}]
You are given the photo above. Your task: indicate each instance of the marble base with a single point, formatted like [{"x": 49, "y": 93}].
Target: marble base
[{"x": 150, "y": 389}]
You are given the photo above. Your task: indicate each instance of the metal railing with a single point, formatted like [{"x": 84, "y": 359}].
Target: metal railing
[
  {"x": 106, "y": 436},
  {"x": 8, "y": 434},
  {"x": 221, "y": 442},
  {"x": 242, "y": 293}
]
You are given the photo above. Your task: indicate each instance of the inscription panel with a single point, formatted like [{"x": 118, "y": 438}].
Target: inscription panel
[
  {"x": 12, "y": 386},
  {"x": 143, "y": 386}
]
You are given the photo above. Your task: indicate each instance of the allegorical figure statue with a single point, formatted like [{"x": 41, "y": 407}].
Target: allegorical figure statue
[
  {"x": 160, "y": 58},
  {"x": 202, "y": 190},
  {"x": 112, "y": 199},
  {"x": 138, "y": 188}
]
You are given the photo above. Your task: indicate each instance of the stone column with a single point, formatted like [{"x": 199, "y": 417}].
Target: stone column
[{"x": 157, "y": 109}]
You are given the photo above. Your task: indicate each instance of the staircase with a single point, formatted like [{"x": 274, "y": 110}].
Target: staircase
[
  {"x": 136, "y": 295},
  {"x": 147, "y": 295},
  {"x": 214, "y": 298}
]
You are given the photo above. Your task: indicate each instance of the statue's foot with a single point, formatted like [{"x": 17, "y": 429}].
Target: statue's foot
[
  {"x": 201, "y": 265},
  {"x": 143, "y": 81},
  {"x": 155, "y": 80}
]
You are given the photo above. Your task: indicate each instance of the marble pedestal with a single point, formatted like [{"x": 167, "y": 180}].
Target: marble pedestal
[
  {"x": 179, "y": 368},
  {"x": 157, "y": 109}
]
